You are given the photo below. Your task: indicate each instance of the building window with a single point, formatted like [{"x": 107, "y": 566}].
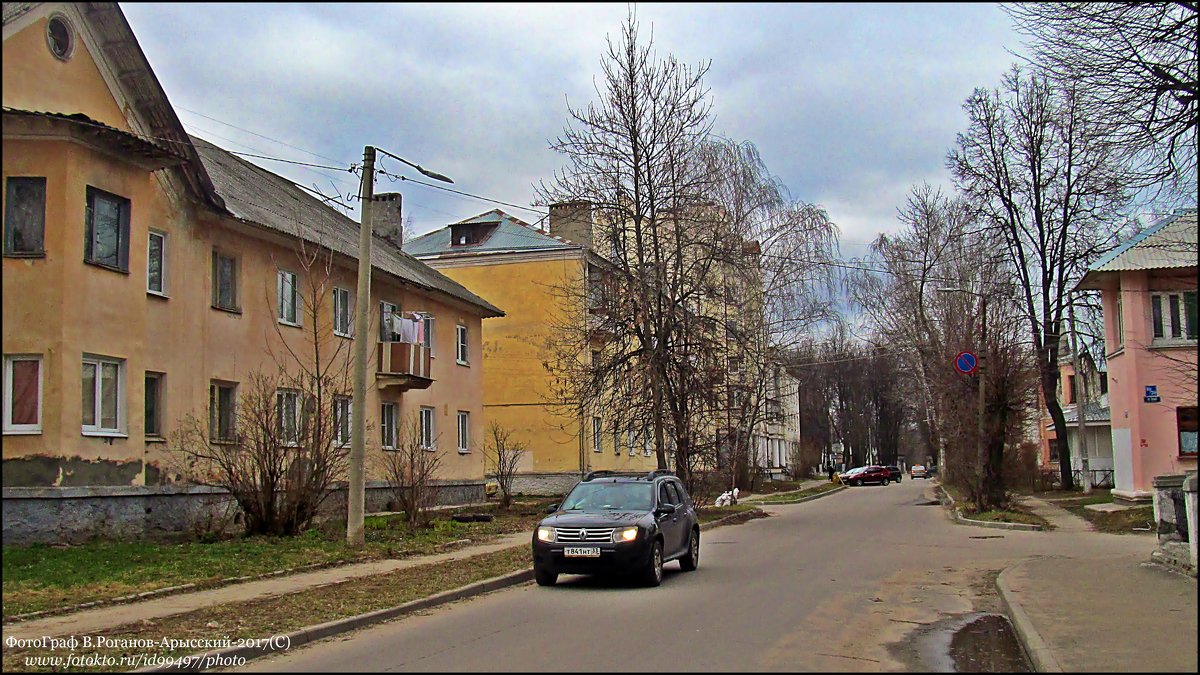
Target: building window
[
  {"x": 25, "y": 216},
  {"x": 597, "y": 433},
  {"x": 342, "y": 312},
  {"x": 645, "y": 441},
  {"x": 103, "y": 384},
  {"x": 427, "y": 434},
  {"x": 225, "y": 282},
  {"x": 464, "y": 431},
  {"x": 387, "y": 425},
  {"x": 221, "y": 400},
  {"x": 462, "y": 345},
  {"x": 1069, "y": 394},
  {"x": 60, "y": 37},
  {"x": 632, "y": 441},
  {"x": 287, "y": 416},
  {"x": 156, "y": 263},
  {"x": 22, "y": 394},
  {"x": 107, "y": 242},
  {"x": 428, "y": 341},
  {"x": 386, "y": 327},
  {"x": 616, "y": 440},
  {"x": 1174, "y": 315},
  {"x": 1053, "y": 442},
  {"x": 288, "y": 298},
  {"x": 154, "y": 404},
  {"x": 1120, "y": 321},
  {"x": 1186, "y": 420},
  {"x": 341, "y": 420}
]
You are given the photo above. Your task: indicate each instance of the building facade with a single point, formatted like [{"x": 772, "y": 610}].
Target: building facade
[{"x": 1148, "y": 291}]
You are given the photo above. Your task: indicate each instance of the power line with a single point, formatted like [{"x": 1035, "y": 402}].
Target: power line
[
  {"x": 253, "y": 133},
  {"x": 459, "y": 192}
]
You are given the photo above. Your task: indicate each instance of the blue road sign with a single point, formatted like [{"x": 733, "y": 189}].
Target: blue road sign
[
  {"x": 1152, "y": 394},
  {"x": 966, "y": 363}
]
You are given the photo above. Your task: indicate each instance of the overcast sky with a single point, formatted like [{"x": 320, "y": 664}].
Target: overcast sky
[{"x": 849, "y": 104}]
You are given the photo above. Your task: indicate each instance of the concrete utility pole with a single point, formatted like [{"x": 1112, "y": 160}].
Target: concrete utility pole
[
  {"x": 356, "y": 499},
  {"x": 984, "y": 463},
  {"x": 1079, "y": 403}
]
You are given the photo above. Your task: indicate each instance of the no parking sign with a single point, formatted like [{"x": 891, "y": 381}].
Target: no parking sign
[{"x": 966, "y": 362}]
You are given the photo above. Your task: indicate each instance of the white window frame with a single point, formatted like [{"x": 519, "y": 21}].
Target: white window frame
[
  {"x": 464, "y": 432},
  {"x": 162, "y": 265},
  {"x": 291, "y": 281},
  {"x": 9, "y": 427},
  {"x": 343, "y": 313},
  {"x": 282, "y": 398},
  {"x": 460, "y": 346},
  {"x": 387, "y": 425},
  {"x": 342, "y": 408},
  {"x": 429, "y": 334},
  {"x": 645, "y": 442},
  {"x": 428, "y": 439},
  {"x": 597, "y": 435},
  {"x": 1168, "y": 337},
  {"x": 387, "y": 309},
  {"x": 632, "y": 441},
  {"x": 97, "y": 428}
]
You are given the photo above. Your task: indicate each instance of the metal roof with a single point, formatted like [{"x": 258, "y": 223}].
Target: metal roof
[
  {"x": 510, "y": 234},
  {"x": 1094, "y": 413},
  {"x": 1169, "y": 243},
  {"x": 255, "y": 195}
]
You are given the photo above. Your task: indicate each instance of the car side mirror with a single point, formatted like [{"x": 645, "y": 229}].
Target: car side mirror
[
  {"x": 552, "y": 508},
  {"x": 665, "y": 509}
]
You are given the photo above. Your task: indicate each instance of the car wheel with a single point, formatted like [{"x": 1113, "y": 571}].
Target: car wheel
[
  {"x": 691, "y": 561},
  {"x": 858, "y": 482},
  {"x": 654, "y": 573},
  {"x": 886, "y": 481},
  {"x": 543, "y": 576}
]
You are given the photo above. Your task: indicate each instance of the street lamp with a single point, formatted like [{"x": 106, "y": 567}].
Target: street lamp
[
  {"x": 356, "y": 497},
  {"x": 981, "y": 448}
]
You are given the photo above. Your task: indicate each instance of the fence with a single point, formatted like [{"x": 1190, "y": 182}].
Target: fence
[{"x": 1051, "y": 479}]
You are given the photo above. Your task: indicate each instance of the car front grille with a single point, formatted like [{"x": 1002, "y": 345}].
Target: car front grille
[{"x": 584, "y": 534}]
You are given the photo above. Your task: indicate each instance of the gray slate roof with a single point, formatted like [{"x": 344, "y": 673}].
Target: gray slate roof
[
  {"x": 258, "y": 196},
  {"x": 511, "y": 235},
  {"x": 1094, "y": 413}
]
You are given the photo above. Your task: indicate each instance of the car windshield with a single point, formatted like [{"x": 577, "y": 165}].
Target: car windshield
[{"x": 609, "y": 497}]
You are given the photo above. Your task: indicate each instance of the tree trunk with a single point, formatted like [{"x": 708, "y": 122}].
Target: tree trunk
[{"x": 1050, "y": 394}]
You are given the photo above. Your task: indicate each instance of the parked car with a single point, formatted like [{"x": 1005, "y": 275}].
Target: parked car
[
  {"x": 618, "y": 523},
  {"x": 867, "y": 474},
  {"x": 918, "y": 471},
  {"x": 895, "y": 472}
]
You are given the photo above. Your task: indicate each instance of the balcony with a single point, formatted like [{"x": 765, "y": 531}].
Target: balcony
[{"x": 403, "y": 366}]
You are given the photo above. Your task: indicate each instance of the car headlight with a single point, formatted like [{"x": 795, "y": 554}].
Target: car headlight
[
  {"x": 625, "y": 534},
  {"x": 545, "y": 534}
]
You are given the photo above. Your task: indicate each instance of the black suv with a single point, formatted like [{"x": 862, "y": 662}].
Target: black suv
[
  {"x": 618, "y": 522},
  {"x": 895, "y": 472}
]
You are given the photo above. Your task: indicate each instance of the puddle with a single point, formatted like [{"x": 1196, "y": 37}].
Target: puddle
[{"x": 971, "y": 643}]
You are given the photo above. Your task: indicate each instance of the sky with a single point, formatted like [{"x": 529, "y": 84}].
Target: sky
[{"x": 850, "y": 105}]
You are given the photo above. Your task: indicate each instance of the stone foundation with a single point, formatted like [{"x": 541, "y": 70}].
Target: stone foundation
[{"x": 1175, "y": 520}]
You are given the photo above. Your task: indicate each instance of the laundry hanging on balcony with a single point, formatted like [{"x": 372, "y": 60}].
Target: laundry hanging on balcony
[{"x": 409, "y": 327}]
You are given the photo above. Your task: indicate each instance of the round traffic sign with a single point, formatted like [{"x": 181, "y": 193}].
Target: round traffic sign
[{"x": 966, "y": 362}]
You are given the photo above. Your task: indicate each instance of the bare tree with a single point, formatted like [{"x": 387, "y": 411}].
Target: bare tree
[
  {"x": 281, "y": 446},
  {"x": 1135, "y": 65},
  {"x": 1046, "y": 180},
  {"x": 503, "y": 454},
  {"x": 411, "y": 470}
]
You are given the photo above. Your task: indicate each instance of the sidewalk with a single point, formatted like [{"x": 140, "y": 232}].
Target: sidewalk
[{"x": 1116, "y": 613}]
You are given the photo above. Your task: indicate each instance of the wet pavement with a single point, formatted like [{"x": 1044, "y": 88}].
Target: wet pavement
[{"x": 970, "y": 643}]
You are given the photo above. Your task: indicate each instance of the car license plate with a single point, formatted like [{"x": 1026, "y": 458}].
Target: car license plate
[{"x": 582, "y": 551}]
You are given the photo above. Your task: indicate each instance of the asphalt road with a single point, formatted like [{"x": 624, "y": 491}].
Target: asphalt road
[{"x": 841, "y": 583}]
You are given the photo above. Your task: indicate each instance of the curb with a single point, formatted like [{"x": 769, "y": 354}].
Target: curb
[
  {"x": 1035, "y": 647},
  {"x": 222, "y": 657},
  {"x": 727, "y": 519},
  {"x": 809, "y": 498},
  {"x": 960, "y": 518}
]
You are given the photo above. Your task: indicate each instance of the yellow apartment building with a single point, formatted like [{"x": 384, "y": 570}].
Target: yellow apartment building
[
  {"x": 147, "y": 273},
  {"x": 526, "y": 270}
]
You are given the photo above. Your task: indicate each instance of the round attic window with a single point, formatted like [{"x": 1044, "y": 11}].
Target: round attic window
[{"x": 60, "y": 37}]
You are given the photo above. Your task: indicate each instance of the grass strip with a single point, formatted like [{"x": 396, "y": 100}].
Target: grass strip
[
  {"x": 283, "y": 614},
  {"x": 1118, "y": 522},
  {"x": 794, "y": 498}
]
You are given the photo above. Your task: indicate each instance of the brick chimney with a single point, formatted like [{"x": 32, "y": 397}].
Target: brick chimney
[
  {"x": 572, "y": 221},
  {"x": 386, "y": 218}
]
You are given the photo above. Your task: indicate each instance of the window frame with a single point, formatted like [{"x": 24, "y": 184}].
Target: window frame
[
  {"x": 162, "y": 264},
  {"x": 392, "y": 336},
  {"x": 280, "y": 279},
  {"x": 464, "y": 432},
  {"x": 1168, "y": 313},
  {"x": 9, "y": 397},
  {"x": 342, "y": 307},
  {"x": 235, "y": 304},
  {"x": 97, "y": 428},
  {"x": 214, "y": 411},
  {"x": 343, "y": 420},
  {"x": 1179, "y": 430},
  {"x": 461, "y": 349},
  {"x": 426, "y": 427},
  {"x": 124, "y": 215},
  {"x": 387, "y": 425},
  {"x": 632, "y": 442},
  {"x": 159, "y": 379},
  {"x": 428, "y": 320},
  {"x": 10, "y": 221},
  {"x": 597, "y": 435},
  {"x": 282, "y": 398}
]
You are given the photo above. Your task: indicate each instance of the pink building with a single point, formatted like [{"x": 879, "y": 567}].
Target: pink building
[{"x": 1148, "y": 290}]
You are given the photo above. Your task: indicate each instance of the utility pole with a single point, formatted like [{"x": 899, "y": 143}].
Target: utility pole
[
  {"x": 1078, "y": 394},
  {"x": 984, "y": 465},
  {"x": 356, "y": 499}
]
